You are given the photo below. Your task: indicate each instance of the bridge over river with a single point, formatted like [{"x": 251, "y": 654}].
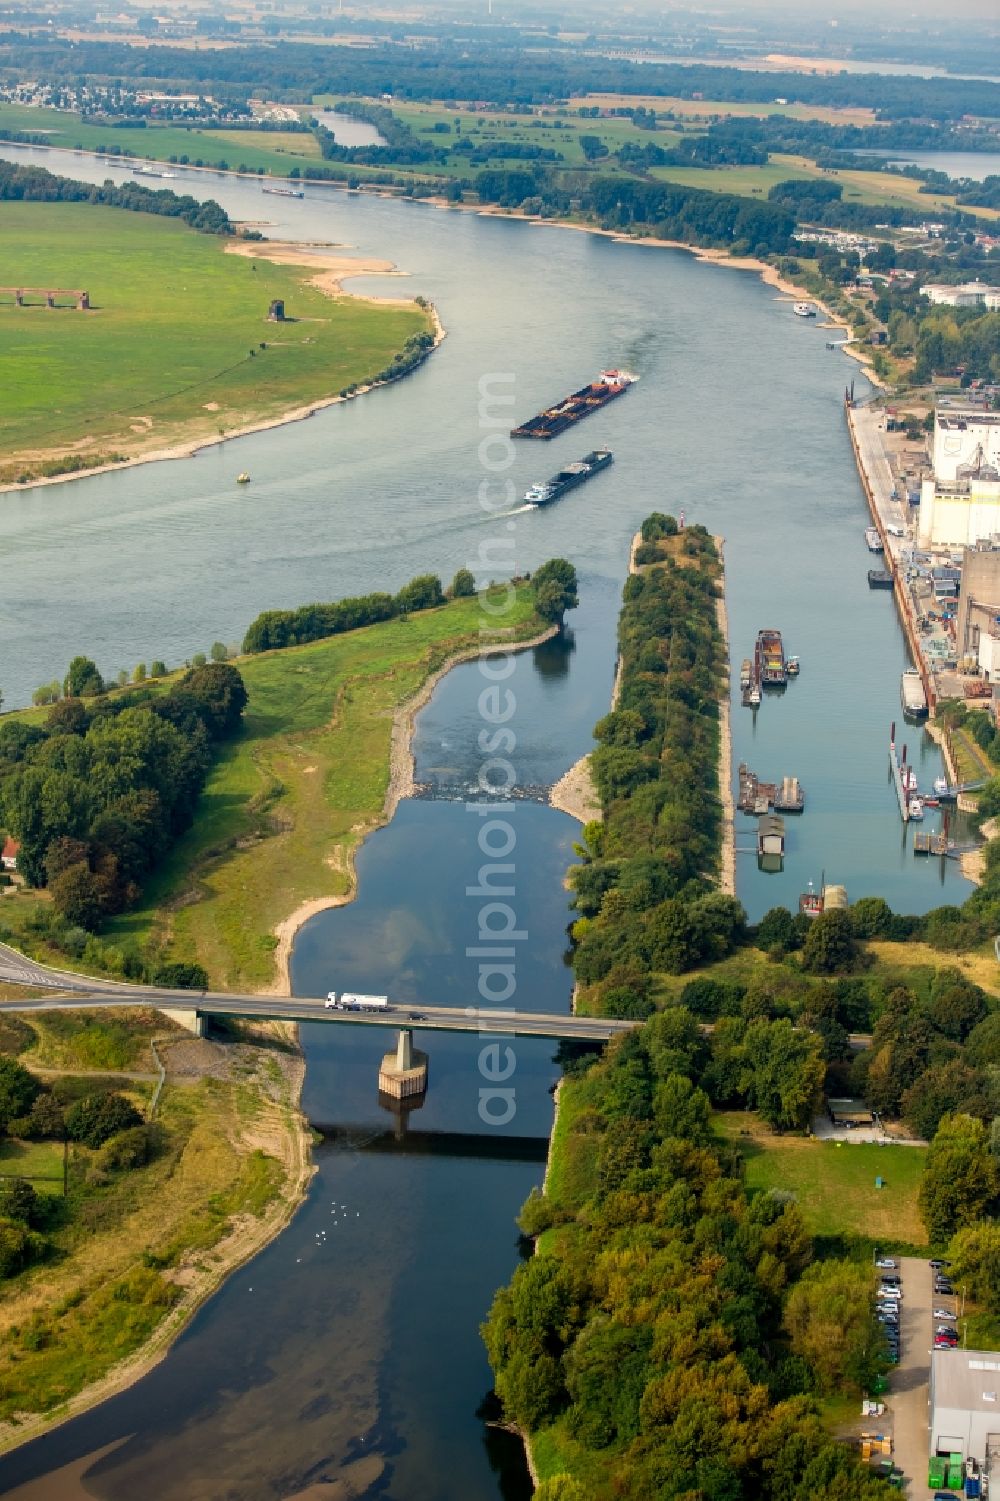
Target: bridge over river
[{"x": 66, "y": 990}]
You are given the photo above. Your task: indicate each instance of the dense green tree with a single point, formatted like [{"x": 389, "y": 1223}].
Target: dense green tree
[
  {"x": 784, "y": 1072},
  {"x": 463, "y": 585},
  {"x": 219, "y": 651},
  {"x": 776, "y": 930},
  {"x": 83, "y": 680},
  {"x": 555, "y": 589},
  {"x": 830, "y": 1318},
  {"x": 871, "y": 917},
  {"x": 829, "y": 944},
  {"x": 975, "y": 1262},
  {"x": 18, "y": 1089},
  {"x": 94, "y": 1119},
  {"x": 961, "y": 1181},
  {"x": 19, "y": 1201}
]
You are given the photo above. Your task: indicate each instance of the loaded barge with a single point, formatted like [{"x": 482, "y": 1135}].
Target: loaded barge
[
  {"x": 592, "y": 398},
  {"x": 542, "y": 494}
]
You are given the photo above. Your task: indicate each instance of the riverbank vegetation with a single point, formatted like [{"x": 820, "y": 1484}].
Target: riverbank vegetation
[
  {"x": 176, "y": 347},
  {"x": 98, "y": 795},
  {"x": 286, "y": 801},
  {"x": 645, "y": 887},
  {"x": 106, "y": 1251}
]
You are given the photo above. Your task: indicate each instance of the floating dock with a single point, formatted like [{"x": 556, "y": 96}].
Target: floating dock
[
  {"x": 880, "y": 578},
  {"x": 930, "y": 844},
  {"x": 609, "y": 385},
  {"x": 757, "y": 797}
]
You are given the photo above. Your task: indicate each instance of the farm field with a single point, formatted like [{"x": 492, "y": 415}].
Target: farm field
[
  {"x": 886, "y": 188},
  {"x": 274, "y": 153},
  {"x": 706, "y": 109},
  {"x": 171, "y": 351}
]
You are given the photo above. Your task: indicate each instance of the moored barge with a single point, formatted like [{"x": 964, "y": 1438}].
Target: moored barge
[
  {"x": 609, "y": 384},
  {"x": 770, "y": 667}
]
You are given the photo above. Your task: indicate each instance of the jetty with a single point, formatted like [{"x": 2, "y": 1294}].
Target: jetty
[
  {"x": 931, "y": 844},
  {"x": 899, "y": 773}
]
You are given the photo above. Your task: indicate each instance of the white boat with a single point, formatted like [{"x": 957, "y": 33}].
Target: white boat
[
  {"x": 909, "y": 779},
  {"x": 916, "y": 808},
  {"x": 804, "y": 310},
  {"x": 537, "y": 494},
  {"x": 168, "y": 174},
  {"x": 792, "y": 667},
  {"x": 940, "y": 785},
  {"x": 755, "y": 696},
  {"x": 873, "y": 539}
]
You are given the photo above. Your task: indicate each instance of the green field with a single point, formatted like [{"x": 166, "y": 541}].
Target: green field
[
  {"x": 275, "y": 152},
  {"x": 888, "y": 188},
  {"x": 164, "y": 356},
  {"x": 559, "y": 133},
  {"x": 289, "y": 801},
  {"x": 834, "y": 1183}
]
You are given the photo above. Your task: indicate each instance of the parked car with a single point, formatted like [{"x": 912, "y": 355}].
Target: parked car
[
  {"x": 942, "y": 1313},
  {"x": 887, "y": 1263},
  {"x": 937, "y": 1264}
]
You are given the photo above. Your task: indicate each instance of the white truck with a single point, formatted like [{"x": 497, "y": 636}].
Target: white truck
[{"x": 349, "y": 1001}]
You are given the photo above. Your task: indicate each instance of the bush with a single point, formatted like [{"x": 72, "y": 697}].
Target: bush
[
  {"x": 129, "y": 1149},
  {"x": 19, "y": 1201},
  {"x": 97, "y": 1117}
]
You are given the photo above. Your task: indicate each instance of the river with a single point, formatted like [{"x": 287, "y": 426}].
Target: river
[{"x": 331, "y": 1348}]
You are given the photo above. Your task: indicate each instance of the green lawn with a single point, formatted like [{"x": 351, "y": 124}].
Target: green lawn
[
  {"x": 164, "y": 356},
  {"x": 41, "y": 1161},
  {"x": 834, "y": 1183}
]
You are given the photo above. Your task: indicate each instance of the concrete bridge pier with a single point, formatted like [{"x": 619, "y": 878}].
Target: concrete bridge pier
[
  {"x": 404, "y": 1072},
  {"x": 186, "y": 1017}
]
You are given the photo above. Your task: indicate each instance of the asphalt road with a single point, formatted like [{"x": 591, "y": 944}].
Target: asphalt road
[
  {"x": 74, "y": 991},
  {"x": 910, "y": 1381}
]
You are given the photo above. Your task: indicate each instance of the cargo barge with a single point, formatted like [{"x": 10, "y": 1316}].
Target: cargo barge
[
  {"x": 592, "y": 398},
  {"x": 770, "y": 668},
  {"x": 283, "y": 192},
  {"x": 913, "y": 695},
  {"x": 542, "y": 494}
]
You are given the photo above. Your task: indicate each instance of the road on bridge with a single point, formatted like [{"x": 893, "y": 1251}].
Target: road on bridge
[{"x": 70, "y": 991}]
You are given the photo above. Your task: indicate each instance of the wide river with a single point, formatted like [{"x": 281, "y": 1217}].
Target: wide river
[{"x": 352, "y": 1341}]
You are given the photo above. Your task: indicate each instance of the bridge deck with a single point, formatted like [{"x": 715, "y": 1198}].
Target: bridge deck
[{"x": 71, "y": 991}]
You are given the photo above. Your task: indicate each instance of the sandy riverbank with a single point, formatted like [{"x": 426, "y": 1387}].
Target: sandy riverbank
[
  {"x": 575, "y": 793},
  {"x": 401, "y": 785},
  {"x": 727, "y": 872},
  {"x": 279, "y": 1129},
  {"x": 332, "y": 270}
]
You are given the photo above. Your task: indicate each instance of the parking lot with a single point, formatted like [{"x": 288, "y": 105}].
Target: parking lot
[{"x": 921, "y": 1312}]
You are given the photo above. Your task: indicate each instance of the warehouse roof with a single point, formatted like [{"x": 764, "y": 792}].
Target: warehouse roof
[{"x": 967, "y": 1379}]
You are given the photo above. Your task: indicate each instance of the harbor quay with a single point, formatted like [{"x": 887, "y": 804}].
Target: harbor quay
[{"x": 945, "y": 574}]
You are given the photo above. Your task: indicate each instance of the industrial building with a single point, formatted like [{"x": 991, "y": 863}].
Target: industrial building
[
  {"x": 961, "y": 504},
  {"x": 978, "y": 614},
  {"x": 965, "y": 1404},
  {"x": 967, "y": 294}
]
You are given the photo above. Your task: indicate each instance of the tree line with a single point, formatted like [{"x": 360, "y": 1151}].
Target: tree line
[
  {"x": 38, "y": 185},
  {"x": 501, "y": 71},
  {"x": 645, "y": 890},
  {"x": 554, "y": 588}
]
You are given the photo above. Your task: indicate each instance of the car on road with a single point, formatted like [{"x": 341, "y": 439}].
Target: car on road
[
  {"x": 886, "y": 1263},
  {"x": 416, "y": 1016}
]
